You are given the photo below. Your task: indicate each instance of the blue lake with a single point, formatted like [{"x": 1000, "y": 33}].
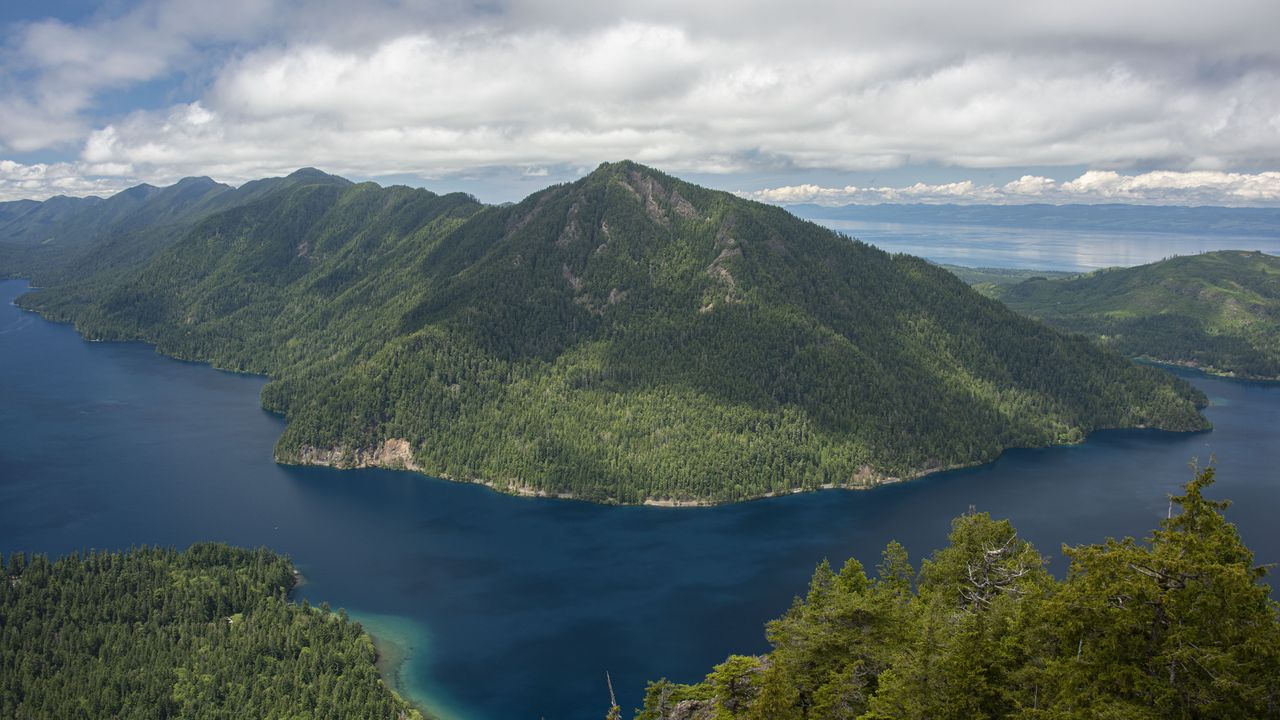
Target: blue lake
[
  {"x": 1012, "y": 247},
  {"x": 516, "y": 607}
]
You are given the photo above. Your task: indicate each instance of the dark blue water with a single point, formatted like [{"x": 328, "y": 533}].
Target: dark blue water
[
  {"x": 1011, "y": 247},
  {"x": 516, "y": 607}
]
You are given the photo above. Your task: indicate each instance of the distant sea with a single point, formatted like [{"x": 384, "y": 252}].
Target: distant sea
[
  {"x": 1041, "y": 248},
  {"x": 1051, "y": 237}
]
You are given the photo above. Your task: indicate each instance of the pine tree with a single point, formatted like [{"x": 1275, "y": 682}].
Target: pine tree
[{"x": 1181, "y": 626}]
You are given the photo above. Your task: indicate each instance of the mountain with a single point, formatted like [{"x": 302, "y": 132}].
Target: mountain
[
  {"x": 1105, "y": 217},
  {"x": 625, "y": 338},
  {"x": 257, "y": 189},
  {"x": 71, "y": 237},
  {"x": 64, "y": 221},
  {"x": 65, "y": 238},
  {"x": 30, "y": 230},
  {"x": 1219, "y": 311}
]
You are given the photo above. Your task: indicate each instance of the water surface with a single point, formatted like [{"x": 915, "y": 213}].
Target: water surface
[
  {"x": 515, "y": 607},
  {"x": 1012, "y": 247}
]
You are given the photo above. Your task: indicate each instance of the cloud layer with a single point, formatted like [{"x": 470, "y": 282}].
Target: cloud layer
[
  {"x": 1198, "y": 187},
  {"x": 434, "y": 89},
  {"x": 39, "y": 181}
]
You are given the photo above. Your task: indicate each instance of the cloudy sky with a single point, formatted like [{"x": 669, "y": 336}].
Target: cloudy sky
[{"x": 800, "y": 101}]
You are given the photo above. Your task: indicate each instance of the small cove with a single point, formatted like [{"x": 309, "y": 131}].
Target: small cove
[{"x": 508, "y": 607}]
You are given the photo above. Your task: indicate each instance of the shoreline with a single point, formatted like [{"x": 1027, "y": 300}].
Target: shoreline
[
  {"x": 877, "y": 481},
  {"x": 1207, "y": 371},
  {"x": 397, "y": 453},
  {"x": 389, "y": 655},
  {"x": 398, "y": 644},
  {"x": 389, "y": 659}
]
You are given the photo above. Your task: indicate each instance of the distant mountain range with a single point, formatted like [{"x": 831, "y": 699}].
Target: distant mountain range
[
  {"x": 75, "y": 237},
  {"x": 1117, "y": 218},
  {"x": 628, "y": 337}
]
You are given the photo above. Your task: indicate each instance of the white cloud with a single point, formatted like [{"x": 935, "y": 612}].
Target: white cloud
[
  {"x": 40, "y": 181},
  {"x": 435, "y": 104},
  {"x": 1035, "y": 186},
  {"x": 1200, "y": 187},
  {"x": 432, "y": 89},
  {"x": 1184, "y": 188}
]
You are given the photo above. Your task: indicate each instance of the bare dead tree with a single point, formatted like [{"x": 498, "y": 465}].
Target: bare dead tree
[
  {"x": 997, "y": 571},
  {"x": 615, "y": 712}
]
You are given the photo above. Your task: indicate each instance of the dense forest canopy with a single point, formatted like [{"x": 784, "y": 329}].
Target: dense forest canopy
[
  {"x": 1219, "y": 311},
  {"x": 627, "y": 337},
  {"x": 1179, "y": 626},
  {"x": 153, "y": 633}
]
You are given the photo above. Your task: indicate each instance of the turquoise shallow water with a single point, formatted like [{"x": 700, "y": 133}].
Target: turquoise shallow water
[
  {"x": 516, "y": 607},
  {"x": 408, "y": 641}
]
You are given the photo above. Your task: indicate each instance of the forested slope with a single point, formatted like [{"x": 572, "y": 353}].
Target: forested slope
[
  {"x": 64, "y": 239},
  {"x": 1219, "y": 311},
  {"x": 204, "y": 633},
  {"x": 623, "y": 338}
]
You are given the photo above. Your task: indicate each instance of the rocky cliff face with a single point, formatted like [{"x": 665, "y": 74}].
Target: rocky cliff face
[{"x": 393, "y": 453}]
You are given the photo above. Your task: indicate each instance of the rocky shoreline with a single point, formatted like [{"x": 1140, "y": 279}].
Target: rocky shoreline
[{"x": 397, "y": 454}]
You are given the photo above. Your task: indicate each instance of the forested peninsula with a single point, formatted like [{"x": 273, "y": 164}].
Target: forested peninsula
[
  {"x": 625, "y": 338},
  {"x": 206, "y": 633}
]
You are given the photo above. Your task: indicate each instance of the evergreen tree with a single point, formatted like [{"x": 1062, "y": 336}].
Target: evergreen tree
[
  {"x": 1181, "y": 626},
  {"x": 207, "y": 633}
]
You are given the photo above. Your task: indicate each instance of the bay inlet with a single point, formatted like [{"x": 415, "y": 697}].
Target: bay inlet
[{"x": 509, "y": 607}]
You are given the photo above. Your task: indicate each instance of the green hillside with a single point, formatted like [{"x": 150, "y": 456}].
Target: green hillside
[
  {"x": 625, "y": 338},
  {"x": 987, "y": 280},
  {"x": 1219, "y": 311},
  {"x": 204, "y": 633},
  {"x": 1180, "y": 626},
  {"x": 63, "y": 238}
]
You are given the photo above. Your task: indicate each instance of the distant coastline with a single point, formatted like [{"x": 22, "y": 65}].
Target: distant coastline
[{"x": 1203, "y": 370}]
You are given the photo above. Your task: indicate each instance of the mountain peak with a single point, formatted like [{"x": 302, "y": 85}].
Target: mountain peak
[
  {"x": 140, "y": 191},
  {"x": 625, "y": 167},
  {"x": 310, "y": 174},
  {"x": 201, "y": 181}
]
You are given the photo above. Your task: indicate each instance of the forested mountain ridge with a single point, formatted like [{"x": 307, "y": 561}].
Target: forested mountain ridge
[
  {"x": 1219, "y": 311},
  {"x": 64, "y": 238},
  {"x": 625, "y": 338}
]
